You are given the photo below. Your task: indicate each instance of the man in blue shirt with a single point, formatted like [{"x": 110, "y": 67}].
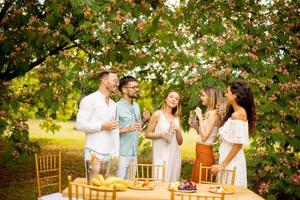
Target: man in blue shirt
[{"x": 130, "y": 122}]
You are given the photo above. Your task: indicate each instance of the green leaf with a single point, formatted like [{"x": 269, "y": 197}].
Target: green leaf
[
  {"x": 133, "y": 35},
  {"x": 115, "y": 28},
  {"x": 69, "y": 29}
]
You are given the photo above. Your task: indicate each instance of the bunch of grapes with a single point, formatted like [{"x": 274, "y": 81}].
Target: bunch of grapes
[{"x": 187, "y": 185}]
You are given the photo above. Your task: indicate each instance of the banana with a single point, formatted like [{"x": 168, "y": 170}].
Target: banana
[
  {"x": 101, "y": 179},
  {"x": 96, "y": 182},
  {"x": 110, "y": 183},
  {"x": 104, "y": 184},
  {"x": 138, "y": 186},
  {"x": 150, "y": 185},
  {"x": 114, "y": 179},
  {"x": 120, "y": 187},
  {"x": 121, "y": 181}
]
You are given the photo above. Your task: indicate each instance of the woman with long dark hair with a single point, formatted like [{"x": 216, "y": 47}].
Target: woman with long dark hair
[{"x": 239, "y": 120}]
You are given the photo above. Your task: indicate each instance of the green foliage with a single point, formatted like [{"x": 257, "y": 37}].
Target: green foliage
[
  {"x": 52, "y": 52},
  {"x": 186, "y": 169},
  {"x": 19, "y": 147}
]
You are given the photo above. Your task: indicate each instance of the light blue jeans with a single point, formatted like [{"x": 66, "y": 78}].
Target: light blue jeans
[{"x": 124, "y": 164}]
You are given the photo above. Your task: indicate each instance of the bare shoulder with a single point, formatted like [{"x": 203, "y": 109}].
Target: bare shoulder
[
  {"x": 153, "y": 121},
  {"x": 155, "y": 115},
  {"x": 240, "y": 115}
]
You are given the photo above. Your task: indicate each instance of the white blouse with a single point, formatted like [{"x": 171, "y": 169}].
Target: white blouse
[{"x": 235, "y": 131}]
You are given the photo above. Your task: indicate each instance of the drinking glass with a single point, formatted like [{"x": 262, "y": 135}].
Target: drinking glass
[
  {"x": 223, "y": 105},
  {"x": 193, "y": 118}
]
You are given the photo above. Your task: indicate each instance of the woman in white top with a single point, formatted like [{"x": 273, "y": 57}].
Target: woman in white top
[
  {"x": 239, "y": 119},
  {"x": 207, "y": 130},
  {"x": 164, "y": 129}
]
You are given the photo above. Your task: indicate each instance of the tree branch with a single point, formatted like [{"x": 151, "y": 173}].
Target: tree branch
[
  {"x": 79, "y": 46},
  {"x": 8, "y": 75},
  {"x": 70, "y": 47},
  {"x": 6, "y": 6}
]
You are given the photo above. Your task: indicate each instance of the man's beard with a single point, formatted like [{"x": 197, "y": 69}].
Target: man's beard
[
  {"x": 111, "y": 88},
  {"x": 133, "y": 96}
]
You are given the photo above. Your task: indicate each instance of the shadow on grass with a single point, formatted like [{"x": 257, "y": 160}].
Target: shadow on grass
[{"x": 19, "y": 183}]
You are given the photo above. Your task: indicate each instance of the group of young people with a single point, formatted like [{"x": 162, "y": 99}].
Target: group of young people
[{"x": 112, "y": 128}]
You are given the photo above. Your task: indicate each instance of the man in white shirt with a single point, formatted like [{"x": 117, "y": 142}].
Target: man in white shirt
[{"x": 98, "y": 118}]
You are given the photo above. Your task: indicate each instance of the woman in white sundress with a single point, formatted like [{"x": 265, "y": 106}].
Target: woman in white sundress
[
  {"x": 164, "y": 130},
  {"x": 239, "y": 120}
]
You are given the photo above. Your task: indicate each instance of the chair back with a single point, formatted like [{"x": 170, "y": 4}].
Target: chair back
[
  {"x": 226, "y": 176},
  {"x": 149, "y": 172},
  {"x": 79, "y": 191},
  {"x": 195, "y": 196},
  {"x": 48, "y": 172}
]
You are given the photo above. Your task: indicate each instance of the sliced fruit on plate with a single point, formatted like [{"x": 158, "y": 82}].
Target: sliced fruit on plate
[{"x": 140, "y": 184}]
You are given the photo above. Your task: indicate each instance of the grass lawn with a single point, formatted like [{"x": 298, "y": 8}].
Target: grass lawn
[{"x": 19, "y": 183}]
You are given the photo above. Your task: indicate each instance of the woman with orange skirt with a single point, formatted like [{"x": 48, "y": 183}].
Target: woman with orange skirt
[{"x": 207, "y": 129}]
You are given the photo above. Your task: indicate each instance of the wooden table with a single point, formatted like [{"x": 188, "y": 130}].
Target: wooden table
[{"x": 160, "y": 192}]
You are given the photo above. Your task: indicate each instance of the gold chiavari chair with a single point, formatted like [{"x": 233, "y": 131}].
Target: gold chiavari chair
[
  {"x": 226, "y": 176},
  {"x": 48, "y": 175},
  {"x": 79, "y": 191},
  {"x": 149, "y": 172},
  {"x": 195, "y": 196}
]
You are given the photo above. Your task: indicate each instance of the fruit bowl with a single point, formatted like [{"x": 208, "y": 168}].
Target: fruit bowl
[{"x": 184, "y": 186}]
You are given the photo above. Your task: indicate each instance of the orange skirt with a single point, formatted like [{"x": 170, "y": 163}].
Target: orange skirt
[{"x": 204, "y": 155}]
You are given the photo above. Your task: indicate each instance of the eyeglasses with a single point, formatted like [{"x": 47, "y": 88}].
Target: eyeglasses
[
  {"x": 114, "y": 81},
  {"x": 133, "y": 87}
]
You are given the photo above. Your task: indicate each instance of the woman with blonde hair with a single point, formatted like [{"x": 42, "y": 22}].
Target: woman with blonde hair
[
  {"x": 207, "y": 129},
  {"x": 164, "y": 130}
]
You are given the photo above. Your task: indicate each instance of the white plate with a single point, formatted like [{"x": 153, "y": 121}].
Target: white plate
[
  {"x": 215, "y": 190},
  {"x": 185, "y": 191},
  {"x": 140, "y": 188}
]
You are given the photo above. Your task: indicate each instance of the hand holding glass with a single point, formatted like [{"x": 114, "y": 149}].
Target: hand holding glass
[
  {"x": 193, "y": 118},
  {"x": 221, "y": 107},
  {"x": 198, "y": 112},
  {"x": 110, "y": 125},
  {"x": 165, "y": 136},
  {"x": 172, "y": 130},
  {"x": 146, "y": 115},
  {"x": 135, "y": 126}
]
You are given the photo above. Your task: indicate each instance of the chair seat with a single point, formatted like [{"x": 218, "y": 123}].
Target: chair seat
[{"x": 54, "y": 196}]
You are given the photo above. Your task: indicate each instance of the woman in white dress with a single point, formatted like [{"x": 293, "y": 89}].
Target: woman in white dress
[
  {"x": 164, "y": 130},
  {"x": 238, "y": 121}
]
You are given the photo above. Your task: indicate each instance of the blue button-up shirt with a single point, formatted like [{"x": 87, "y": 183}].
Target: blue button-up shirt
[{"x": 128, "y": 114}]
